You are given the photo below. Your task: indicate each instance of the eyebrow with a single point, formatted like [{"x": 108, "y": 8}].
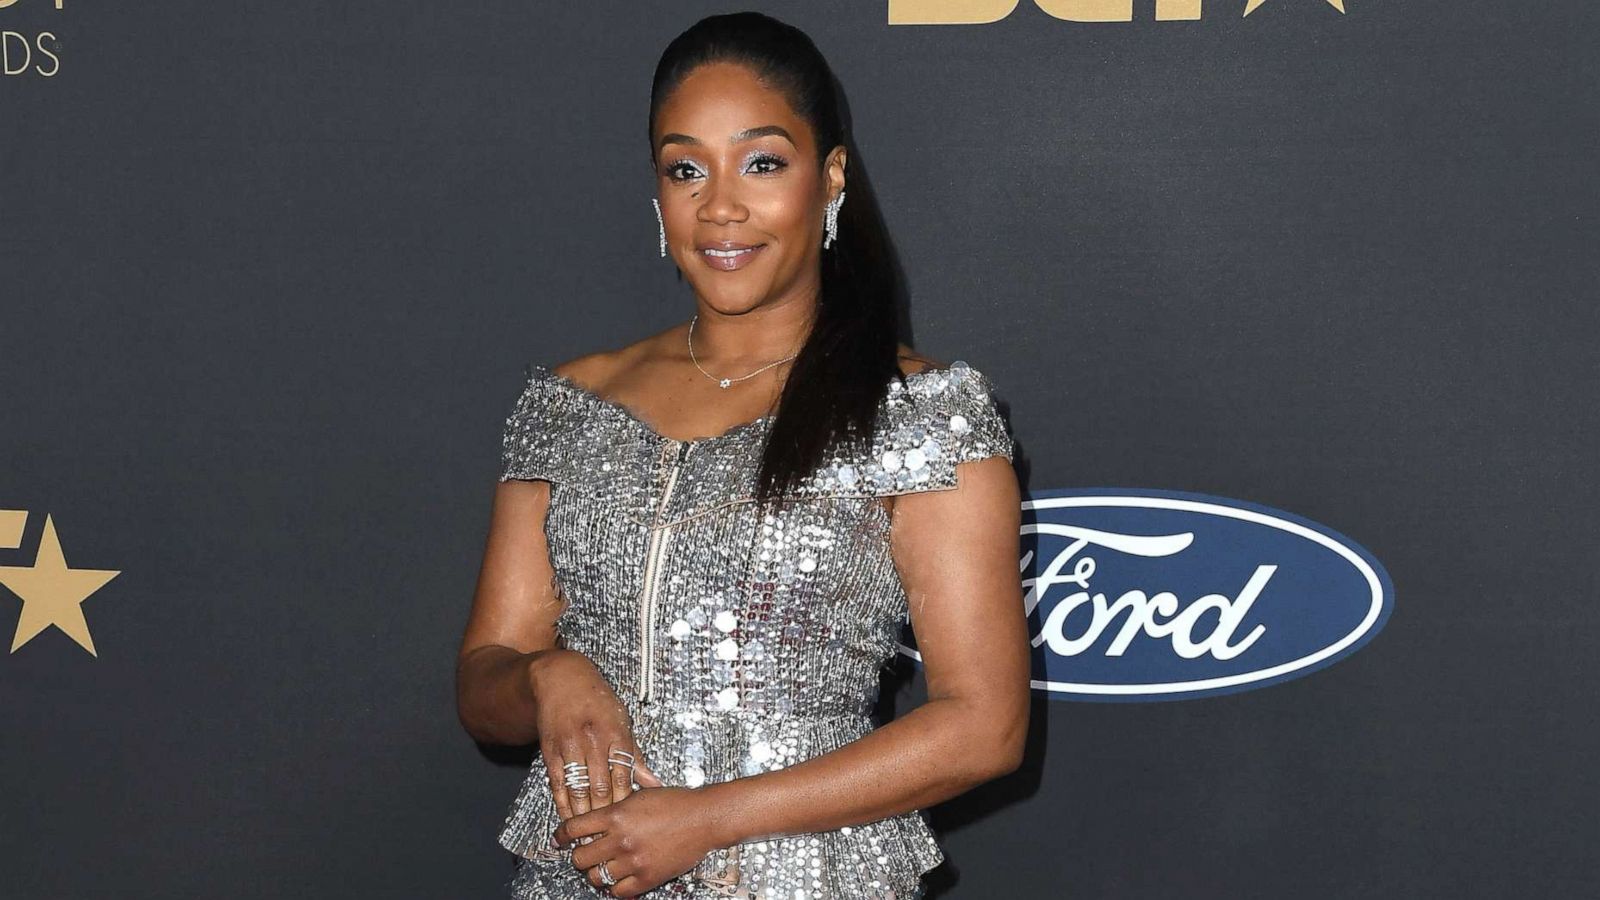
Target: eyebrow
[{"x": 745, "y": 135}]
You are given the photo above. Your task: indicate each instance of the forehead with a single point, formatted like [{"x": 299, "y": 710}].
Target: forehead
[{"x": 716, "y": 100}]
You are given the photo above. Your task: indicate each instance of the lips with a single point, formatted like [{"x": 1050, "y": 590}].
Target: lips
[{"x": 727, "y": 256}]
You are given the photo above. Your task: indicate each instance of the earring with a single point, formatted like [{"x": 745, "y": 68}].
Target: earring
[
  {"x": 833, "y": 220},
  {"x": 663, "y": 225}
]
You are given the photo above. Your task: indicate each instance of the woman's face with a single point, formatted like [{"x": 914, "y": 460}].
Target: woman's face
[{"x": 737, "y": 168}]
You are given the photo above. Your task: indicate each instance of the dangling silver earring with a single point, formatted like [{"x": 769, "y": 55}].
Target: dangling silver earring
[
  {"x": 662, "y": 225},
  {"x": 833, "y": 220}
]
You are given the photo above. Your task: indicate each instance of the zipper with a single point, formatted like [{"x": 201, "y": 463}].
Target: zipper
[{"x": 652, "y": 580}]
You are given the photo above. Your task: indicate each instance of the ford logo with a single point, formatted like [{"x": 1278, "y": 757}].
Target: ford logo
[{"x": 1142, "y": 595}]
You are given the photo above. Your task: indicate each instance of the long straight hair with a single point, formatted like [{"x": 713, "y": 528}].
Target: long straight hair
[{"x": 844, "y": 368}]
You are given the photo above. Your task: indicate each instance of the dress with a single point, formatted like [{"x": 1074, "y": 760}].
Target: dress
[{"x": 740, "y": 642}]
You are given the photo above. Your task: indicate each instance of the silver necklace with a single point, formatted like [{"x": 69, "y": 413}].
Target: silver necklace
[{"x": 726, "y": 382}]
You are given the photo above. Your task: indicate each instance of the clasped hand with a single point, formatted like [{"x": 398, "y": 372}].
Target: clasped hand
[
  {"x": 644, "y": 835},
  {"x": 646, "y": 839}
]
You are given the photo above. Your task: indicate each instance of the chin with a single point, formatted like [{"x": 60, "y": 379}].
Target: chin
[{"x": 730, "y": 302}]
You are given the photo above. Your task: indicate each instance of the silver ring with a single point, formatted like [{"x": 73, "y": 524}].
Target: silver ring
[
  {"x": 576, "y": 778},
  {"x": 605, "y": 875}
]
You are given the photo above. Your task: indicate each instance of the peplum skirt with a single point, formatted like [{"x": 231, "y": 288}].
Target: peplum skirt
[{"x": 880, "y": 860}]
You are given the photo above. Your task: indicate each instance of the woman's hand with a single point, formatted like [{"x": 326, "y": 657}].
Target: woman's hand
[
  {"x": 581, "y": 720},
  {"x": 650, "y": 838}
]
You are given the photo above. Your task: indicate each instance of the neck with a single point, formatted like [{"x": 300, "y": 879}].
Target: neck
[{"x": 750, "y": 339}]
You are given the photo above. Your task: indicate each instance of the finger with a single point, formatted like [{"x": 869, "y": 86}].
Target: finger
[
  {"x": 578, "y": 828},
  {"x": 578, "y": 787},
  {"x": 599, "y": 883},
  {"x": 619, "y": 870},
  {"x": 622, "y": 753},
  {"x": 553, "y": 762},
  {"x": 599, "y": 774},
  {"x": 629, "y": 886},
  {"x": 605, "y": 846}
]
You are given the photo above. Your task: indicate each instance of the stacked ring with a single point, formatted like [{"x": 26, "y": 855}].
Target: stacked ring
[
  {"x": 624, "y": 762},
  {"x": 577, "y": 777}
]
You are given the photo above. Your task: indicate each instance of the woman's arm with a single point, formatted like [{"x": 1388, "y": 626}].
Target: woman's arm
[
  {"x": 957, "y": 553},
  {"x": 511, "y": 631},
  {"x": 514, "y": 685}
]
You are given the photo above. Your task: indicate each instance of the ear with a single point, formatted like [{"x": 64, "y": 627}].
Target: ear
[{"x": 834, "y": 169}]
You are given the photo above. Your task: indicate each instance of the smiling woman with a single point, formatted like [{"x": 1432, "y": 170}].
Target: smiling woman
[
  {"x": 704, "y": 544},
  {"x": 724, "y": 254}
]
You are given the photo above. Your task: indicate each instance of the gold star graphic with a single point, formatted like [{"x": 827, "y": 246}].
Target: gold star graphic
[
  {"x": 1254, "y": 5},
  {"x": 53, "y": 594}
]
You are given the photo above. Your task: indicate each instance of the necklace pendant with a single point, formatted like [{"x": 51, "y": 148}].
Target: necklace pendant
[{"x": 725, "y": 382}]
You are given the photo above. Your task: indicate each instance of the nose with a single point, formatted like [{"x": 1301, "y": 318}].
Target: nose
[{"x": 719, "y": 202}]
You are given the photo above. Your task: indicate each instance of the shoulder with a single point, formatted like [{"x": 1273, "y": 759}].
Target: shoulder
[
  {"x": 599, "y": 369},
  {"x": 559, "y": 418},
  {"x": 927, "y": 376},
  {"x": 911, "y": 362},
  {"x": 942, "y": 415},
  {"x": 590, "y": 371},
  {"x": 954, "y": 402}
]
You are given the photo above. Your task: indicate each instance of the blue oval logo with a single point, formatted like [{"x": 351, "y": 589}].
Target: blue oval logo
[{"x": 1142, "y": 595}]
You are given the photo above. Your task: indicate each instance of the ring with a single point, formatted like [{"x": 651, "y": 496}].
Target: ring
[
  {"x": 605, "y": 875},
  {"x": 576, "y": 778}
]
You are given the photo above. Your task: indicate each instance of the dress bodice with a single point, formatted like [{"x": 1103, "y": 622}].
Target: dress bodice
[{"x": 740, "y": 640}]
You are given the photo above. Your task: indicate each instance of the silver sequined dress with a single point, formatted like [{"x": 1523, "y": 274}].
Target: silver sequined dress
[{"x": 741, "y": 642}]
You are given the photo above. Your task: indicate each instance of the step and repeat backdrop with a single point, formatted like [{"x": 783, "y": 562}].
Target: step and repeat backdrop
[{"x": 1291, "y": 305}]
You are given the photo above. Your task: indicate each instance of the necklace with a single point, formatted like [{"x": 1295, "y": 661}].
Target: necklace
[{"x": 726, "y": 382}]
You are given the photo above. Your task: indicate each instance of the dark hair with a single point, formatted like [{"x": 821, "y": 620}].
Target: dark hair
[{"x": 843, "y": 369}]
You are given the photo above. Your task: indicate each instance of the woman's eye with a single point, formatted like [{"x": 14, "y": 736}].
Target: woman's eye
[
  {"x": 767, "y": 159},
  {"x": 673, "y": 171},
  {"x": 762, "y": 164}
]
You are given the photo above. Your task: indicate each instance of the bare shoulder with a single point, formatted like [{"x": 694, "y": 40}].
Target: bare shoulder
[
  {"x": 912, "y": 362},
  {"x": 591, "y": 371},
  {"x": 598, "y": 370}
]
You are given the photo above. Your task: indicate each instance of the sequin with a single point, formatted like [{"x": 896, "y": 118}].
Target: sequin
[{"x": 740, "y": 642}]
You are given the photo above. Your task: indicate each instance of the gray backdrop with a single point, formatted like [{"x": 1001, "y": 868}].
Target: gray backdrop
[{"x": 270, "y": 271}]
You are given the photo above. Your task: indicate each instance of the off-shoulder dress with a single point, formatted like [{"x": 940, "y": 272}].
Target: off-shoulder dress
[{"x": 740, "y": 641}]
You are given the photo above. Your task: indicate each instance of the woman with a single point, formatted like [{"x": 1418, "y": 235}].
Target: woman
[{"x": 704, "y": 544}]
